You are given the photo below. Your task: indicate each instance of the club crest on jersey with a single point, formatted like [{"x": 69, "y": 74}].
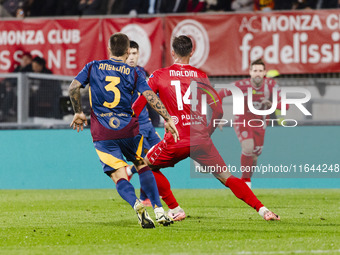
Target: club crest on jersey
[
  {"x": 114, "y": 122},
  {"x": 175, "y": 119}
]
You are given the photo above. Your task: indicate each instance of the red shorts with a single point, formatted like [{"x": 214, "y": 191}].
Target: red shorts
[
  {"x": 167, "y": 153},
  {"x": 255, "y": 133}
]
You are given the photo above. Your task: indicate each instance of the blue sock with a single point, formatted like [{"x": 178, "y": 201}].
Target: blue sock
[
  {"x": 149, "y": 185},
  {"x": 126, "y": 191},
  {"x": 133, "y": 170},
  {"x": 143, "y": 196}
]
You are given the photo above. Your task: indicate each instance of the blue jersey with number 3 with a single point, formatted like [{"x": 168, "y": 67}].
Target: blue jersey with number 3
[{"x": 112, "y": 86}]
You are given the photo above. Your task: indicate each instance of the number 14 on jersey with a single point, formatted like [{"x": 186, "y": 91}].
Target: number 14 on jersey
[{"x": 192, "y": 89}]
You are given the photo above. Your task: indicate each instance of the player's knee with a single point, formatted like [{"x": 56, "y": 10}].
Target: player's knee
[
  {"x": 247, "y": 150},
  {"x": 139, "y": 163},
  {"x": 247, "y": 147}
]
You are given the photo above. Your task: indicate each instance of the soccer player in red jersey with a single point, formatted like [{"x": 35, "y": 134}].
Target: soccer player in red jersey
[
  {"x": 249, "y": 127},
  {"x": 114, "y": 128},
  {"x": 175, "y": 85}
]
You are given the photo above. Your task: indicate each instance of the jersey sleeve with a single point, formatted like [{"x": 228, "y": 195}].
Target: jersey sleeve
[
  {"x": 153, "y": 84},
  {"x": 142, "y": 85},
  {"x": 141, "y": 102},
  {"x": 84, "y": 75}
]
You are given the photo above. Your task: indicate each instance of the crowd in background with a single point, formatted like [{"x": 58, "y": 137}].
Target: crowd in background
[{"x": 41, "y": 8}]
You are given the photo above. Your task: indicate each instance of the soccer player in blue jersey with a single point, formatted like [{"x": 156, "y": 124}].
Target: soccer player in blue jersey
[
  {"x": 151, "y": 137},
  {"x": 114, "y": 129}
]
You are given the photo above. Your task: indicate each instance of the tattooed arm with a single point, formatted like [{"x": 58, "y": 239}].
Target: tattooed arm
[
  {"x": 157, "y": 104},
  {"x": 79, "y": 118}
]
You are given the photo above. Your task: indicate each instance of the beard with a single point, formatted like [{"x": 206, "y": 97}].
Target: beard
[{"x": 257, "y": 80}]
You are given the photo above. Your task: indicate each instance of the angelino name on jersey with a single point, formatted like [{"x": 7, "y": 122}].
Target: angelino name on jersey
[
  {"x": 185, "y": 73},
  {"x": 121, "y": 68}
]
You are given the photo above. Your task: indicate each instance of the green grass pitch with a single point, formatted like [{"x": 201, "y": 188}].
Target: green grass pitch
[{"x": 100, "y": 222}]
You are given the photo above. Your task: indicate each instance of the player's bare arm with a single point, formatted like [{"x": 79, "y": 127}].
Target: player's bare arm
[
  {"x": 79, "y": 118},
  {"x": 157, "y": 104}
]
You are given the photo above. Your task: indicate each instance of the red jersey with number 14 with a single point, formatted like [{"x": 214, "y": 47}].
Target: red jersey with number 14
[{"x": 180, "y": 88}]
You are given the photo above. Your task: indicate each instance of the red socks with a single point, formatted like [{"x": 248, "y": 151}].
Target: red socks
[
  {"x": 242, "y": 191},
  {"x": 246, "y": 165},
  {"x": 164, "y": 189}
]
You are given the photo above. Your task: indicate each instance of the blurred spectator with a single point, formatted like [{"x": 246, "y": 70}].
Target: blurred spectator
[
  {"x": 283, "y": 4},
  {"x": 196, "y": 6},
  {"x": 304, "y": 4},
  {"x": 44, "y": 93},
  {"x": 3, "y": 10},
  {"x": 134, "y": 7},
  {"x": 39, "y": 65},
  {"x": 328, "y": 4},
  {"x": 242, "y": 5},
  {"x": 174, "y": 6},
  {"x": 263, "y": 5},
  {"x": 219, "y": 5},
  {"x": 34, "y": 8},
  {"x": 20, "y": 13},
  {"x": 8, "y": 100},
  {"x": 93, "y": 7},
  {"x": 25, "y": 63},
  {"x": 9, "y": 87},
  {"x": 12, "y": 5},
  {"x": 118, "y": 7},
  {"x": 153, "y": 7},
  {"x": 67, "y": 8}
]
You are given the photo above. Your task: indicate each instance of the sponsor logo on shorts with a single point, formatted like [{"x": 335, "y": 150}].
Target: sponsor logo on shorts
[
  {"x": 198, "y": 35},
  {"x": 138, "y": 34}
]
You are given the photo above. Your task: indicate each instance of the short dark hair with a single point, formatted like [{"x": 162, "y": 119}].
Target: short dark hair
[
  {"x": 182, "y": 45},
  {"x": 27, "y": 54},
  {"x": 134, "y": 45},
  {"x": 258, "y": 61},
  {"x": 119, "y": 44},
  {"x": 39, "y": 61}
]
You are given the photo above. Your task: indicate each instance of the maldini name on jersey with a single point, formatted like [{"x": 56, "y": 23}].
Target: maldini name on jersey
[{"x": 186, "y": 73}]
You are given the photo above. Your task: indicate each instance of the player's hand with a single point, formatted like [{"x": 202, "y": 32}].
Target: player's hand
[
  {"x": 266, "y": 103},
  {"x": 170, "y": 127},
  {"x": 220, "y": 127},
  {"x": 79, "y": 121}
]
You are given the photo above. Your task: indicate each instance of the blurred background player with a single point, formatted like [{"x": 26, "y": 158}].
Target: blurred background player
[
  {"x": 252, "y": 137},
  {"x": 173, "y": 84},
  {"x": 151, "y": 137},
  {"x": 114, "y": 130}
]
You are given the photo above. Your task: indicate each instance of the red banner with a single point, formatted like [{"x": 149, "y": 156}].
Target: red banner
[
  {"x": 68, "y": 44},
  {"x": 291, "y": 42}
]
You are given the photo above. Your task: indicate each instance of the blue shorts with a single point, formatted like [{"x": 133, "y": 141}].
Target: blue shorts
[
  {"x": 112, "y": 152},
  {"x": 151, "y": 137}
]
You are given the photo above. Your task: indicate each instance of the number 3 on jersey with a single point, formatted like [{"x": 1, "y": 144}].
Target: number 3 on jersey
[
  {"x": 114, "y": 81},
  {"x": 192, "y": 89}
]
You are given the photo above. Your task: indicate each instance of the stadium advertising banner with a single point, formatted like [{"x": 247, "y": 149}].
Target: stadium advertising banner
[
  {"x": 148, "y": 33},
  {"x": 291, "y": 42},
  {"x": 68, "y": 44}
]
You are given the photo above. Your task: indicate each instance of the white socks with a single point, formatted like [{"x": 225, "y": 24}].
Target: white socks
[{"x": 262, "y": 211}]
